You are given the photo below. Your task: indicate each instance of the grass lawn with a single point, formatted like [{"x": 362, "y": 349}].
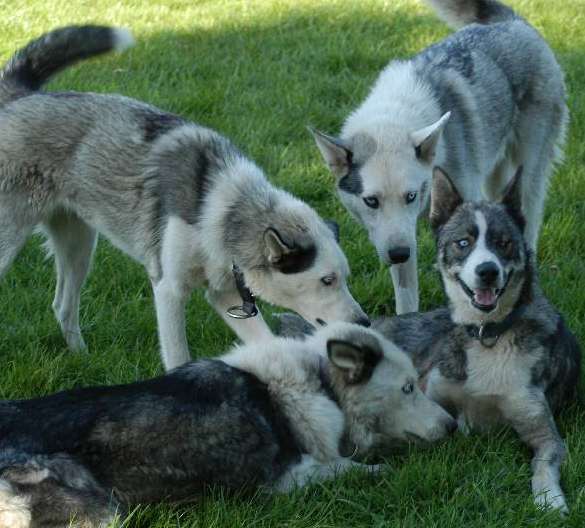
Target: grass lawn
[{"x": 259, "y": 72}]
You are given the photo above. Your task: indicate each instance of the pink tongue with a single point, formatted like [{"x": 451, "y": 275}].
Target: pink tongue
[{"x": 485, "y": 297}]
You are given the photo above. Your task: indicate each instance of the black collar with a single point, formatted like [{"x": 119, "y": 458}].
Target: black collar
[
  {"x": 248, "y": 308},
  {"x": 488, "y": 334}
]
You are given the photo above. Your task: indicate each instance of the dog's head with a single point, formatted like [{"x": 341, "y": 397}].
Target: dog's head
[
  {"x": 376, "y": 384},
  {"x": 383, "y": 175},
  {"x": 482, "y": 255},
  {"x": 304, "y": 269}
]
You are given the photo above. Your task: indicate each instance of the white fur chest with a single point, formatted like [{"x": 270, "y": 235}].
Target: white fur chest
[{"x": 497, "y": 371}]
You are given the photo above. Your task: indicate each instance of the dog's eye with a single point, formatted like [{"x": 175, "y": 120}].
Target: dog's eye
[
  {"x": 463, "y": 243},
  {"x": 372, "y": 202},
  {"x": 328, "y": 280},
  {"x": 504, "y": 245},
  {"x": 408, "y": 388},
  {"x": 410, "y": 197}
]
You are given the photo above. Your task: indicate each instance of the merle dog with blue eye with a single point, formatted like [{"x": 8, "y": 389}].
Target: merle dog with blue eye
[{"x": 500, "y": 353}]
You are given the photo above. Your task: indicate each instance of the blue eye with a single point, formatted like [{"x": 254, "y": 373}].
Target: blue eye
[
  {"x": 372, "y": 202},
  {"x": 411, "y": 197},
  {"x": 463, "y": 243}
]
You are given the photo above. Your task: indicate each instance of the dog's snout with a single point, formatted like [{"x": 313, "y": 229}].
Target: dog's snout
[
  {"x": 488, "y": 272},
  {"x": 363, "y": 321},
  {"x": 399, "y": 255}
]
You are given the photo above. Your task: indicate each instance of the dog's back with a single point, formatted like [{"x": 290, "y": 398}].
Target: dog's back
[{"x": 205, "y": 423}]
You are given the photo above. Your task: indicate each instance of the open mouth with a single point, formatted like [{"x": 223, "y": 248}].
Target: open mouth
[{"x": 484, "y": 299}]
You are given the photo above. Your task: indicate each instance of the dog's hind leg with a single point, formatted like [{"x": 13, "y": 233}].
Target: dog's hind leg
[
  {"x": 73, "y": 243},
  {"x": 14, "y": 508},
  {"x": 54, "y": 491},
  {"x": 15, "y": 228},
  {"x": 309, "y": 471},
  {"x": 405, "y": 281},
  {"x": 540, "y": 139},
  {"x": 533, "y": 421}
]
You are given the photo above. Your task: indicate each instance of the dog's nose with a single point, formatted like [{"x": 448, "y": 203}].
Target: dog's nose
[
  {"x": 488, "y": 272},
  {"x": 363, "y": 321},
  {"x": 451, "y": 426},
  {"x": 399, "y": 255}
]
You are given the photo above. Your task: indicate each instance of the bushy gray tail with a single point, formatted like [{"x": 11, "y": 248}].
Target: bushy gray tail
[
  {"x": 33, "y": 65},
  {"x": 459, "y": 13}
]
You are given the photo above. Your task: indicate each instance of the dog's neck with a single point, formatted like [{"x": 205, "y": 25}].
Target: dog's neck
[{"x": 236, "y": 215}]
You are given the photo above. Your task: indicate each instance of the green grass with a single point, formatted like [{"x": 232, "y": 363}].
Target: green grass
[{"x": 259, "y": 72}]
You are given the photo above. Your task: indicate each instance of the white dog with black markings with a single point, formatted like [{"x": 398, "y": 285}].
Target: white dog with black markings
[{"x": 482, "y": 102}]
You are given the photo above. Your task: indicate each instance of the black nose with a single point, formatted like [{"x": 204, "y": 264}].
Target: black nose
[
  {"x": 363, "y": 321},
  {"x": 399, "y": 255},
  {"x": 488, "y": 272},
  {"x": 451, "y": 426}
]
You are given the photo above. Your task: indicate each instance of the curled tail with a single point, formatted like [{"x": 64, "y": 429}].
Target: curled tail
[
  {"x": 33, "y": 65},
  {"x": 459, "y": 13}
]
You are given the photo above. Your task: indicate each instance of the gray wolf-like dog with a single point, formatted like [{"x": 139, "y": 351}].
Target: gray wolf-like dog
[
  {"x": 177, "y": 197},
  {"x": 500, "y": 353},
  {"x": 272, "y": 415},
  {"x": 482, "y": 102}
]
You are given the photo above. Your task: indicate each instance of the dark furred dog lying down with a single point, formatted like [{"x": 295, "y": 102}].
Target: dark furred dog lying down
[
  {"x": 500, "y": 353},
  {"x": 275, "y": 416}
]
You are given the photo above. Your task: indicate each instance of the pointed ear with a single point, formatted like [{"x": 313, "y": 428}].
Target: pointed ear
[
  {"x": 356, "y": 363},
  {"x": 334, "y": 226},
  {"x": 337, "y": 156},
  {"x": 276, "y": 247},
  {"x": 444, "y": 198},
  {"x": 512, "y": 199},
  {"x": 425, "y": 140}
]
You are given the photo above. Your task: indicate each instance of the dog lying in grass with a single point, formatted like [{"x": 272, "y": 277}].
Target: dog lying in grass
[
  {"x": 500, "y": 353},
  {"x": 274, "y": 415}
]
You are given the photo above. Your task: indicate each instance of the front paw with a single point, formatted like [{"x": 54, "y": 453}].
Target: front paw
[{"x": 552, "y": 500}]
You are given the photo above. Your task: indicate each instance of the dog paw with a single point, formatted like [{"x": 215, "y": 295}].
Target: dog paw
[{"x": 552, "y": 500}]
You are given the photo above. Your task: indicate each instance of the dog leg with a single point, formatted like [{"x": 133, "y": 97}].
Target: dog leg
[
  {"x": 309, "y": 471},
  {"x": 541, "y": 137},
  {"x": 534, "y": 423},
  {"x": 53, "y": 491},
  {"x": 13, "y": 235},
  {"x": 405, "y": 281},
  {"x": 249, "y": 330},
  {"x": 73, "y": 243},
  {"x": 14, "y": 508},
  {"x": 170, "y": 299}
]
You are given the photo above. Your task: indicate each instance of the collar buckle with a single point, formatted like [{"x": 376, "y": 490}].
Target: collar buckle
[
  {"x": 248, "y": 308},
  {"x": 488, "y": 341}
]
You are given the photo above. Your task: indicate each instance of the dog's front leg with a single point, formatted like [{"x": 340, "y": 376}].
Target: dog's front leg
[
  {"x": 405, "y": 281},
  {"x": 533, "y": 421},
  {"x": 309, "y": 470},
  {"x": 170, "y": 299},
  {"x": 249, "y": 330}
]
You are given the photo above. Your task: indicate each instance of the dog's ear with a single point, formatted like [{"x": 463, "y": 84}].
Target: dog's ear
[
  {"x": 425, "y": 140},
  {"x": 287, "y": 257},
  {"x": 334, "y": 226},
  {"x": 444, "y": 198},
  {"x": 355, "y": 362},
  {"x": 276, "y": 247},
  {"x": 512, "y": 199},
  {"x": 337, "y": 156}
]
